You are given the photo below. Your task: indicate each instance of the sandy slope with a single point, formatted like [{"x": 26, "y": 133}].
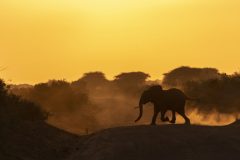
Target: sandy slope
[
  {"x": 31, "y": 141},
  {"x": 35, "y": 141},
  {"x": 162, "y": 142}
]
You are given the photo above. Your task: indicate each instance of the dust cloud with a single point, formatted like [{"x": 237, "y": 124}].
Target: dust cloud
[{"x": 94, "y": 102}]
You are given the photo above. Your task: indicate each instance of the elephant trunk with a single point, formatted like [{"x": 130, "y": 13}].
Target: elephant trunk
[{"x": 140, "y": 113}]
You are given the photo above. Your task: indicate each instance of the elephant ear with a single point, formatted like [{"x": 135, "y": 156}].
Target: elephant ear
[{"x": 156, "y": 88}]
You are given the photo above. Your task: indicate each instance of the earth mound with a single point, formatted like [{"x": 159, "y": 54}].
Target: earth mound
[
  {"x": 235, "y": 123},
  {"x": 161, "y": 142},
  {"x": 38, "y": 141},
  {"x": 35, "y": 141}
]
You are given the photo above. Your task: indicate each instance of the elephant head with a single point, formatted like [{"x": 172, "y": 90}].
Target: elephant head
[{"x": 148, "y": 95}]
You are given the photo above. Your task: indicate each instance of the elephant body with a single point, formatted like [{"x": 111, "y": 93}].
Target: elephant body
[{"x": 163, "y": 100}]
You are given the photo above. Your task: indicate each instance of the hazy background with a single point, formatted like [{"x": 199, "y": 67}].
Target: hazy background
[
  {"x": 56, "y": 39},
  {"x": 94, "y": 102},
  {"x": 47, "y": 46}
]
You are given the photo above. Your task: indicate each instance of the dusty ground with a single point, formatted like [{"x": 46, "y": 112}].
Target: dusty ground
[
  {"x": 167, "y": 142},
  {"x": 35, "y": 141}
]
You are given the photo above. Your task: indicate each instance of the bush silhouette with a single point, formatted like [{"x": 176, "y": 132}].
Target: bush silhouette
[{"x": 13, "y": 108}]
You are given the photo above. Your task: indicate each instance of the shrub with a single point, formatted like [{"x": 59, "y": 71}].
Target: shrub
[{"x": 12, "y": 107}]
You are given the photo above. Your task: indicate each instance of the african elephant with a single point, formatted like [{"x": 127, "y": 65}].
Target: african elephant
[{"x": 163, "y": 100}]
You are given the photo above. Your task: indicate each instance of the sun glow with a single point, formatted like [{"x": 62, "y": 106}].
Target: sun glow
[{"x": 115, "y": 36}]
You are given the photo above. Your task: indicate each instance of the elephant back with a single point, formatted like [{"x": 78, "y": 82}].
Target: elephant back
[{"x": 174, "y": 94}]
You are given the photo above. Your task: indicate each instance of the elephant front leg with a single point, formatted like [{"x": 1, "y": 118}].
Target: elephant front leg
[
  {"x": 154, "y": 116},
  {"x": 173, "y": 117}
]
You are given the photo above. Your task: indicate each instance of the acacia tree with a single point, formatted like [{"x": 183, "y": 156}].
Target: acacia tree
[
  {"x": 177, "y": 77},
  {"x": 131, "y": 83}
]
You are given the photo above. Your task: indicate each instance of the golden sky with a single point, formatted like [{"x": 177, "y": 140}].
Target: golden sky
[{"x": 56, "y": 39}]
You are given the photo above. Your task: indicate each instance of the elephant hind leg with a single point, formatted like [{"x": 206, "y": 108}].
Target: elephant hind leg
[
  {"x": 163, "y": 118},
  {"x": 173, "y": 117},
  {"x": 187, "y": 120}
]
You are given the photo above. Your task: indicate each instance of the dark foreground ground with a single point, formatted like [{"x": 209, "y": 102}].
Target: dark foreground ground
[{"x": 33, "y": 141}]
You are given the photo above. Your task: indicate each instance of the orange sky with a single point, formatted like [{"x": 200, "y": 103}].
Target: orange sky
[{"x": 41, "y": 40}]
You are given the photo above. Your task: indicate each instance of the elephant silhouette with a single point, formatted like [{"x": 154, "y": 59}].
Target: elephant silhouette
[{"x": 172, "y": 99}]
